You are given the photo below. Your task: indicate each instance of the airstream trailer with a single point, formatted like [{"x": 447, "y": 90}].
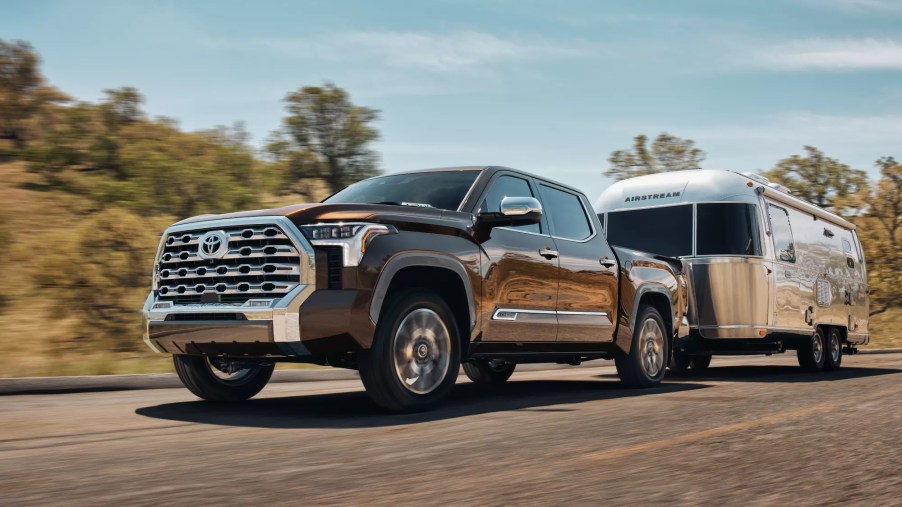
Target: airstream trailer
[{"x": 767, "y": 271}]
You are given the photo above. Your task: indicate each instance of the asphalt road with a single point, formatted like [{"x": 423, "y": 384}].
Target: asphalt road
[{"x": 753, "y": 431}]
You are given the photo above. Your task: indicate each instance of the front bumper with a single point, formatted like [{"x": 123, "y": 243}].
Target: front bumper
[
  {"x": 255, "y": 328},
  {"x": 259, "y": 327}
]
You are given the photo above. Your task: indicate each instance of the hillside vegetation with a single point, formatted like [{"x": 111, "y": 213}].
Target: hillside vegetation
[{"x": 87, "y": 188}]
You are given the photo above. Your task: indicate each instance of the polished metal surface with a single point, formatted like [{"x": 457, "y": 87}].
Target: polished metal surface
[
  {"x": 728, "y": 296},
  {"x": 421, "y": 351},
  {"x": 824, "y": 282},
  {"x": 519, "y": 206},
  {"x": 271, "y": 313},
  {"x": 231, "y": 263},
  {"x": 651, "y": 347}
]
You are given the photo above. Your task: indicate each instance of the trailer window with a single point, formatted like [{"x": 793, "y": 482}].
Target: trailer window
[
  {"x": 665, "y": 231},
  {"x": 782, "y": 232},
  {"x": 727, "y": 229}
]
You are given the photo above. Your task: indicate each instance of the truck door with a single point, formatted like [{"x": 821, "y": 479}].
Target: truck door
[
  {"x": 587, "y": 291},
  {"x": 788, "y": 306},
  {"x": 520, "y": 274}
]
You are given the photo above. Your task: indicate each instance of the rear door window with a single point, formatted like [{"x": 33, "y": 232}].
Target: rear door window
[{"x": 566, "y": 214}]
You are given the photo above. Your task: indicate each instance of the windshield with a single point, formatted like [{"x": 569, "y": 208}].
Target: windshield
[{"x": 436, "y": 189}]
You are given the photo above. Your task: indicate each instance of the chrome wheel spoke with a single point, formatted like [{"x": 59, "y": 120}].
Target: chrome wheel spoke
[
  {"x": 421, "y": 351},
  {"x": 651, "y": 341}
]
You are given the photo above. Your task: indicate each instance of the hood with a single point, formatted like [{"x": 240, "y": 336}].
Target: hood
[{"x": 402, "y": 217}]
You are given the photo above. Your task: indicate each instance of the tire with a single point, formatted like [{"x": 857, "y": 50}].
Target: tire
[
  {"x": 700, "y": 363},
  {"x": 416, "y": 335},
  {"x": 489, "y": 372},
  {"x": 833, "y": 360},
  {"x": 200, "y": 375},
  {"x": 812, "y": 352},
  {"x": 644, "y": 366},
  {"x": 679, "y": 364}
]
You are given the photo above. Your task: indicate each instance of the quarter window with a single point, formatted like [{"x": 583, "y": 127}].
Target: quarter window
[
  {"x": 566, "y": 213},
  {"x": 782, "y": 233},
  {"x": 727, "y": 229},
  {"x": 508, "y": 186}
]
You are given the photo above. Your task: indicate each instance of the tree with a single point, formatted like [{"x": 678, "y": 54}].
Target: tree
[
  {"x": 817, "y": 178},
  {"x": 23, "y": 92},
  {"x": 880, "y": 228},
  {"x": 329, "y": 136},
  {"x": 667, "y": 153}
]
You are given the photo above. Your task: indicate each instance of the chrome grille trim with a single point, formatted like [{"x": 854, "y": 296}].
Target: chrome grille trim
[
  {"x": 266, "y": 257},
  {"x": 283, "y": 310}
]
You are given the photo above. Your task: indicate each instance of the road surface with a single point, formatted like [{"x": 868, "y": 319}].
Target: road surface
[{"x": 752, "y": 431}]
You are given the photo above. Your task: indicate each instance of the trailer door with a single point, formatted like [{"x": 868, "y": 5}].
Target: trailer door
[{"x": 788, "y": 308}]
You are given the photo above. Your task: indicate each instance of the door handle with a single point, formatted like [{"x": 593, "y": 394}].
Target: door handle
[
  {"x": 608, "y": 263},
  {"x": 548, "y": 253}
]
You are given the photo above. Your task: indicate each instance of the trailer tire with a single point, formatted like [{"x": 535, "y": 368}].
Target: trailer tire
[
  {"x": 833, "y": 350},
  {"x": 646, "y": 363},
  {"x": 812, "y": 351}
]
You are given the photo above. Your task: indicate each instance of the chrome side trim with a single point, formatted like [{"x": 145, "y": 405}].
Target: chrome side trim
[{"x": 511, "y": 313}]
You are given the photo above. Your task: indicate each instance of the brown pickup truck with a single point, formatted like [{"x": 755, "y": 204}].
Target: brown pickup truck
[{"x": 406, "y": 277}]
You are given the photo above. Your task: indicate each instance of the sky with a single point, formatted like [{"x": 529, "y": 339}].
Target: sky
[{"x": 548, "y": 87}]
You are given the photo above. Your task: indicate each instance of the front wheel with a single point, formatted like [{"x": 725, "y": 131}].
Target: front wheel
[
  {"x": 415, "y": 357},
  {"x": 644, "y": 366},
  {"x": 217, "y": 379},
  {"x": 492, "y": 372}
]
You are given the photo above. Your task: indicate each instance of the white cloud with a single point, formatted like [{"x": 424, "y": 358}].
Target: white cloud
[
  {"x": 829, "y": 54},
  {"x": 427, "y": 51}
]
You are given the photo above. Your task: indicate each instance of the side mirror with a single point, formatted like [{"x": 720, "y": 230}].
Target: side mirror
[{"x": 514, "y": 211}]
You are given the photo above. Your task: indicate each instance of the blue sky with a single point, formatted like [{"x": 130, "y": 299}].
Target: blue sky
[{"x": 548, "y": 87}]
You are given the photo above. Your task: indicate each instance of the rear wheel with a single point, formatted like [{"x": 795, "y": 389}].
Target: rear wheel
[
  {"x": 834, "y": 349},
  {"x": 218, "y": 379},
  {"x": 644, "y": 366},
  {"x": 492, "y": 372},
  {"x": 812, "y": 352},
  {"x": 415, "y": 357}
]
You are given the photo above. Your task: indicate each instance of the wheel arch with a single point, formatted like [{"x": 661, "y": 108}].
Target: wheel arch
[{"x": 436, "y": 272}]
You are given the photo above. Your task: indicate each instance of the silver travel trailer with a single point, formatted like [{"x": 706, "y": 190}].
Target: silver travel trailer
[{"x": 766, "y": 270}]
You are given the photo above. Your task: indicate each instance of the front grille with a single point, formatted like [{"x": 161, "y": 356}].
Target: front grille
[
  {"x": 260, "y": 262},
  {"x": 334, "y": 264}
]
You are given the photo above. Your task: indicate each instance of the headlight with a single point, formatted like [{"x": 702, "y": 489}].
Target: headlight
[{"x": 353, "y": 238}]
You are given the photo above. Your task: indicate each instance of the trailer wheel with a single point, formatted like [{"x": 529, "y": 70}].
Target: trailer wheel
[
  {"x": 646, "y": 362},
  {"x": 813, "y": 352},
  {"x": 834, "y": 350}
]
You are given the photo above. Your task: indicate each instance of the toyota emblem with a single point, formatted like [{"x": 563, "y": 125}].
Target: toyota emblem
[{"x": 213, "y": 245}]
